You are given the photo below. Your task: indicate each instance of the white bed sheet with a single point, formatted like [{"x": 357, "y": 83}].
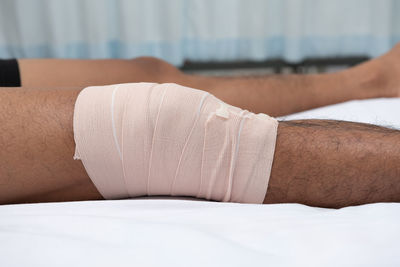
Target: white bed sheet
[{"x": 167, "y": 232}]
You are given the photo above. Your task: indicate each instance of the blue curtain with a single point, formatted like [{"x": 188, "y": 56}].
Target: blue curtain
[{"x": 201, "y": 30}]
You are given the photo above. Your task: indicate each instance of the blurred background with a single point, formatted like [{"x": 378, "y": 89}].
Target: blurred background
[{"x": 203, "y": 35}]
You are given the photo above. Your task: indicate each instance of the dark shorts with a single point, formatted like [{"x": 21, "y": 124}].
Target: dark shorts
[{"x": 9, "y": 73}]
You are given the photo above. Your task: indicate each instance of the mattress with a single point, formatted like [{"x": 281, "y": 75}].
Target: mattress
[{"x": 188, "y": 232}]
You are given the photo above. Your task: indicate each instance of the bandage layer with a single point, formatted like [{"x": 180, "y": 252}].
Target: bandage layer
[{"x": 144, "y": 139}]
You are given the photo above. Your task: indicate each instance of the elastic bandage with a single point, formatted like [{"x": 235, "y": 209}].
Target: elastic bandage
[{"x": 144, "y": 139}]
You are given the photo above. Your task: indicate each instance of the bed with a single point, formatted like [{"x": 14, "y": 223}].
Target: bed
[{"x": 188, "y": 232}]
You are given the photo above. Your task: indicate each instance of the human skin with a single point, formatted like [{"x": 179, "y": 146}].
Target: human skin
[
  {"x": 275, "y": 95},
  {"x": 334, "y": 164},
  {"x": 318, "y": 163}
]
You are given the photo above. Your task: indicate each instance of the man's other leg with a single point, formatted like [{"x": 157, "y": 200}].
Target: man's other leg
[{"x": 275, "y": 95}]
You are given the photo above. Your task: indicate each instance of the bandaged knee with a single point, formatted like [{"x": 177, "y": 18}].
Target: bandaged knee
[{"x": 147, "y": 139}]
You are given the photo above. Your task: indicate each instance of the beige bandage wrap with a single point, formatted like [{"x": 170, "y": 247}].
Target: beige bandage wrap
[{"x": 144, "y": 139}]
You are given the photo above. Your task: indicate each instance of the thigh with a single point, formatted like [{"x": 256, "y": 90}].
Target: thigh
[
  {"x": 37, "y": 148},
  {"x": 81, "y": 73}
]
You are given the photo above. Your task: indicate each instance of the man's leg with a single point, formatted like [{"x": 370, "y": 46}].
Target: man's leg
[
  {"x": 275, "y": 95},
  {"x": 321, "y": 163}
]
